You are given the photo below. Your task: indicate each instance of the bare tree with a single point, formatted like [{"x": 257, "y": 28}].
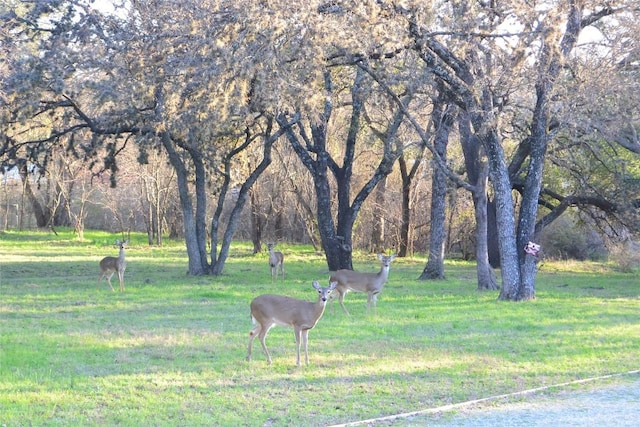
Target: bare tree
[
  {"x": 468, "y": 80},
  {"x": 337, "y": 236},
  {"x": 150, "y": 74},
  {"x": 443, "y": 117}
]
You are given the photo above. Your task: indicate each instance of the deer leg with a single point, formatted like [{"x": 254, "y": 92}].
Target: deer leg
[
  {"x": 305, "y": 341},
  {"x": 109, "y": 280},
  {"x": 331, "y": 297},
  {"x": 298, "y": 333},
  {"x": 262, "y": 335},
  {"x": 372, "y": 300},
  {"x": 121, "y": 280},
  {"x": 252, "y": 336},
  {"x": 341, "y": 299}
]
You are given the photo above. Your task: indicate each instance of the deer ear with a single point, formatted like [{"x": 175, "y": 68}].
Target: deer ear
[
  {"x": 333, "y": 285},
  {"x": 316, "y": 285}
]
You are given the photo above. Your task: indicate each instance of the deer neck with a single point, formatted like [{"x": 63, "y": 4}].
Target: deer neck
[
  {"x": 318, "y": 308},
  {"x": 384, "y": 273}
]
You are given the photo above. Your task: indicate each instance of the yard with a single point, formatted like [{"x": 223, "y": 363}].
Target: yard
[{"x": 171, "y": 349}]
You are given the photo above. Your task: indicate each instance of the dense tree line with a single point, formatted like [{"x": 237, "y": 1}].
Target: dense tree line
[{"x": 540, "y": 99}]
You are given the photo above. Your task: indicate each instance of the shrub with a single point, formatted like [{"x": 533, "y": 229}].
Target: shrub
[
  {"x": 567, "y": 238},
  {"x": 626, "y": 255}
]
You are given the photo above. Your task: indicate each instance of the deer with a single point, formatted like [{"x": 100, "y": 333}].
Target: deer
[
  {"x": 271, "y": 310},
  {"x": 111, "y": 265},
  {"x": 276, "y": 261},
  {"x": 371, "y": 283}
]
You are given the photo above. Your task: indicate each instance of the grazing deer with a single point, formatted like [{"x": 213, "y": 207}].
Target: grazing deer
[
  {"x": 276, "y": 261},
  {"x": 271, "y": 310},
  {"x": 371, "y": 283},
  {"x": 111, "y": 265}
]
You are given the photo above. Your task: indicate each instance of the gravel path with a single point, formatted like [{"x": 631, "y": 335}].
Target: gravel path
[
  {"x": 612, "y": 405},
  {"x": 608, "y": 401}
]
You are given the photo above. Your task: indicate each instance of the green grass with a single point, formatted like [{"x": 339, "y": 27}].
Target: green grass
[{"x": 171, "y": 349}]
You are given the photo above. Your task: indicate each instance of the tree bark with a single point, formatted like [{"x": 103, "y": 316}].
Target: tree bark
[
  {"x": 486, "y": 276},
  {"x": 505, "y": 215},
  {"x": 336, "y": 236},
  {"x": 405, "y": 217},
  {"x": 443, "y": 118},
  {"x": 256, "y": 221},
  {"x": 477, "y": 174},
  {"x": 378, "y": 232},
  {"x": 269, "y": 138},
  {"x": 42, "y": 218},
  {"x": 196, "y": 266}
]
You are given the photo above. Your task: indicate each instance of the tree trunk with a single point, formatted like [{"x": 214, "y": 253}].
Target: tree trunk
[
  {"x": 533, "y": 185},
  {"x": 256, "y": 221},
  {"x": 477, "y": 174},
  {"x": 443, "y": 119},
  {"x": 60, "y": 214},
  {"x": 408, "y": 175},
  {"x": 486, "y": 276},
  {"x": 405, "y": 217},
  {"x": 42, "y": 219},
  {"x": 336, "y": 238},
  {"x": 493, "y": 248},
  {"x": 146, "y": 207},
  {"x": 196, "y": 266},
  {"x": 269, "y": 138},
  {"x": 378, "y": 232},
  {"x": 318, "y": 166},
  {"x": 158, "y": 215},
  {"x": 505, "y": 216}
]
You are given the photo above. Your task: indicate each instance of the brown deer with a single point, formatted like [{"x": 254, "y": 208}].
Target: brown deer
[
  {"x": 270, "y": 310},
  {"x": 111, "y": 265},
  {"x": 371, "y": 283},
  {"x": 276, "y": 261}
]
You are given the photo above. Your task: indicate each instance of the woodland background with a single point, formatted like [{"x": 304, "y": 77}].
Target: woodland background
[{"x": 441, "y": 127}]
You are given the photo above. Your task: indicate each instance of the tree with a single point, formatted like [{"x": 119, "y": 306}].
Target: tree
[
  {"x": 336, "y": 237},
  {"x": 476, "y": 78},
  {"x": 204, "y": 81},
  {"x": 383, "y": 131},
  {"x": 443, "y": 117},
  {"x": 268, "y": 138},
  {"x": 478, "y": 173},
  {"x": 157, "y": 74}
]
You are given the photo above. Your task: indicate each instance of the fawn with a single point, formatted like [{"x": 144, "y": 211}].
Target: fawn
[
  {"x": 111, "y": 265},
  {"x": 270, "y": 310}
]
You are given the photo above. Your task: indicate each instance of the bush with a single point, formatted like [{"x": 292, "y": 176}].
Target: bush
[
  {"x": 567, "y": 238},
  {"x": 626, "y": 255}
]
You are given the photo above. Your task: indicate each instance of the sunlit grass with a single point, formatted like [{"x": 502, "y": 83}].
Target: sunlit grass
[{"x": 171, "y": 349}]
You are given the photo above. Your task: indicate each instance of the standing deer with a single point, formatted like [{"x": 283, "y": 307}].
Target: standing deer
[
  {"x": 111, "y": 265},
  {"x": 276, "y": 261},
  {"x": 371, "y": 283},
  {"x": 271, "y": 310}
]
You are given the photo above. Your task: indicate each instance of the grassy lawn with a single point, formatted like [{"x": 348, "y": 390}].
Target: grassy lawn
[{"x": 171, "y": 349}]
